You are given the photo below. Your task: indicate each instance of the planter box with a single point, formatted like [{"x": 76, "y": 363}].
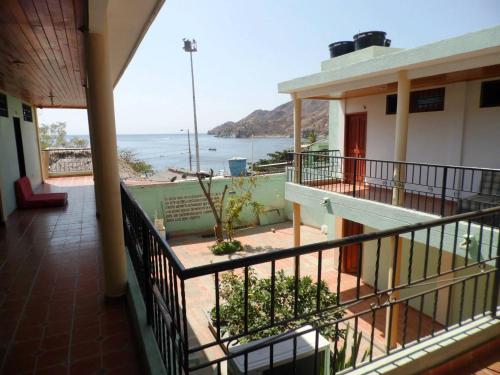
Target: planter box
[{"x": 258, "y": 361}]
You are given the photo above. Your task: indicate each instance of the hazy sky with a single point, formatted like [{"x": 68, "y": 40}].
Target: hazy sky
[{"x": 246, "y": 47}]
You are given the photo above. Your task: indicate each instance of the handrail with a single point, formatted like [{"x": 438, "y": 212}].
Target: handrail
[
  {"x": 187, "y": 273},
  {"x": 167, "y": 249},
  {"x": 401, "y": 162},
  {"x": 162, "y": 276},
  {"x": 325, "y": 245}
]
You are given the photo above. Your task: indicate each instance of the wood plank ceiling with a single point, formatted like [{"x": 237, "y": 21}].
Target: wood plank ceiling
[{"x": 42, "y": 51}]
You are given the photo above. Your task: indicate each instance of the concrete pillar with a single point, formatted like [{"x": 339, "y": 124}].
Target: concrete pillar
[
  {"x": 297, "y": 136},
  {"x": 103, "y": 140},
  {"x": 401, "y": 137},
  {"x": 398, "y": 198}
]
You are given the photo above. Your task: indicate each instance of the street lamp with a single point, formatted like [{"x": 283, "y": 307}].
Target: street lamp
[
  {"x": 189, "y": 148},
  {"x": 190, "y": 46}
]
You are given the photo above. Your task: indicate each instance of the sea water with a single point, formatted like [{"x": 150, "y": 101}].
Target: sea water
[{"x": 165, "y": 151}]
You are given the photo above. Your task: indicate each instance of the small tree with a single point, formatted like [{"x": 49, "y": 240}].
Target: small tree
[
  {"x": 216, "y": 207},
  {"x": 227, "y": 216},
  {"x": 242, "y": 197},
  {"x": 79, "y": 142}
]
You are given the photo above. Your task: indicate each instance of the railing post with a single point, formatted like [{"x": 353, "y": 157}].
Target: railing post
[
  {"x": 355, "y": 177},
  {"x": 443, "y": 191},
  {"x": 146, "y": 261},
  {"x": 496, "y": 282}
]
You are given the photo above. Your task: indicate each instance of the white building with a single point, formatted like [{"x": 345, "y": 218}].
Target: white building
[{"x": 402, "y": 119}]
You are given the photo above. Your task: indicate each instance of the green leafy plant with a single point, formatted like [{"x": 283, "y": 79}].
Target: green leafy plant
[
  {"x": 138, "y": 165},
  {"x": 241, "y": 196},
  {"x": 227, "y": 214},
  {"x": 55, "y": 135},
  {"x": 232, "y": 305},
  {"x": 226, "y": 247},
  {"x": 342, "y": 362},
  {"x": 275, "y": 157}
]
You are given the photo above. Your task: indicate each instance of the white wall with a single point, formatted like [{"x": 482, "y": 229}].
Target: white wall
[
  {"x": 9, "y": 169},
  {"x": 481, "y": 146},
  {"x": 462, "y": 134}
]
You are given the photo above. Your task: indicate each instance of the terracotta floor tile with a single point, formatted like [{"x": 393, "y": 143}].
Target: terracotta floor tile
[
  {"x": 51, "y": 290},
  {"x": 52, "y": 357},
  {"x": 86, "y": 366}
]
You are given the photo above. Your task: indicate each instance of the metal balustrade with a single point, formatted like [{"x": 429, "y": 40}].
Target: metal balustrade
[
  {"x": 438, "y": 189},
  {"x": 447, "y": 274}
]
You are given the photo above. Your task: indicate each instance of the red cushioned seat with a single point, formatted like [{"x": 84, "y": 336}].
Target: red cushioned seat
[{"x": 27, "y": 199}]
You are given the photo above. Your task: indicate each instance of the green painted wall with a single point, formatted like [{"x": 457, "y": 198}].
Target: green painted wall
[
  {"x": 9, "y": 169},
  {"x": 270, "y": 191}
]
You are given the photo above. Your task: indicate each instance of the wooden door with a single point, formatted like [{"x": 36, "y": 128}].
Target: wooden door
[
  {"x": 351, "y": 254},
  {"x": 355, "y": 146}
]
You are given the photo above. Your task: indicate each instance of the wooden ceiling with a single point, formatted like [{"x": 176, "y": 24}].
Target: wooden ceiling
[{"x": 41, "y": 51}]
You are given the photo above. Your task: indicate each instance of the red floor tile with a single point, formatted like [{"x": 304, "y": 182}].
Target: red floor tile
[{"x": 53, "y": 315}]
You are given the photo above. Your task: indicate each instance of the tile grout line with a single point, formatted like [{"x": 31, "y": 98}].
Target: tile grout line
[{"x": 12, "y": 339}]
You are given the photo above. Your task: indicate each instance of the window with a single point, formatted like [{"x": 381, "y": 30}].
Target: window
[
  {"x": 4, "y": 110},
  {"x": 420, "y": 101},
  {"x": 427, "y": 100},
  {"x": 490, "y": 94},
  {"x": 27, "y": 115},
  {"x": 391, "y": 104}
]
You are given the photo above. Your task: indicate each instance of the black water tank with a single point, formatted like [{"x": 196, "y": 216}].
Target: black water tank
[
  {"x": 341, "y": 48},
  {"x": 370, "y": 38}
]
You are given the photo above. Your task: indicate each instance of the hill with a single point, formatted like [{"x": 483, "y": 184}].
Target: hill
[{"x": 277, "y": 122}]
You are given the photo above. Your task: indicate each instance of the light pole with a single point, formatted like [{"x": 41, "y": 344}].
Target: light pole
[
  {"x": 189, "y": 148},
  {"x": 190, "y": 46}
]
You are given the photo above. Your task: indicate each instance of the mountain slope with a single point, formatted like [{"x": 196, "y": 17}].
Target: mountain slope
[{"x": 277, "y": 122}]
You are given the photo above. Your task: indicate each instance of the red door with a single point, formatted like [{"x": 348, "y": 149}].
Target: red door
[
  {"x": 355, "y": 146},
  {"x": 351, "y": 254}
]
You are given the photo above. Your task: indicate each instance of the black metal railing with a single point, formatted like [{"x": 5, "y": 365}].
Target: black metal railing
[
  {"x": 437, "y": 189},
  {"x": 63, "y": 161},
  {"x": 292, "y": 309}
]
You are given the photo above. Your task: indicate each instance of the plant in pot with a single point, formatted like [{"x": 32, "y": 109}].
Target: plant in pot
[
  {"x": 227, "y": 214},
  {"x": 232, "y": 311}
]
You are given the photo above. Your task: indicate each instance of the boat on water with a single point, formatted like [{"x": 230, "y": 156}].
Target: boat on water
[{"x": 212, "y": 149}]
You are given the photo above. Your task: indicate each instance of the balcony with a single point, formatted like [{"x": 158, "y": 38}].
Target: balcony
[
  {"x": 435, "y": 189},
  {"x": 429, "y": 306},
  {"x": 53, "y": 313}
]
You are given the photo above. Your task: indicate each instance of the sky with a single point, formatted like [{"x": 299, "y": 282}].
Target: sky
[{"x": 246, "y": 47}]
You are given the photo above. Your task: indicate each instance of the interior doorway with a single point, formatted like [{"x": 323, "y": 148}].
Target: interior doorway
[
  {"x": 351, "y": 255},
  {"x": 19, "y": 146}
]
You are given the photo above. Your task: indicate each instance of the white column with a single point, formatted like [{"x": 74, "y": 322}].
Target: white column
[
  {"x": 401, "y": 136},
  {"x": 398, "y": 198},
  {"x": 103, "y": 140},
  {"x": 297, "y": 137}
]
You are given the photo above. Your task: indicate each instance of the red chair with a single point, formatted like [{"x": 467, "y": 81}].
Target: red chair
[{"x": 27, "y": 199}]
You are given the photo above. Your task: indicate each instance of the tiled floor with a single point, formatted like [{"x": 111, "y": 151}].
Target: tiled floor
[{"x": 53, "y": 315}]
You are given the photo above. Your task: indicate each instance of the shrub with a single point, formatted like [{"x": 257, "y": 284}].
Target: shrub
[
  {"x": 226, "y": 247},
  {"x": 139, "y": 166},
  {"x": 232, "y": 313}
]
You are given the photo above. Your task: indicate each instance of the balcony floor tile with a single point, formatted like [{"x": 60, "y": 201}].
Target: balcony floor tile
[{"x": 54, "y": 318}]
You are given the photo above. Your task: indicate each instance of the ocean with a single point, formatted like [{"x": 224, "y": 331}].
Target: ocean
[{"x": 164, "y": 151}]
